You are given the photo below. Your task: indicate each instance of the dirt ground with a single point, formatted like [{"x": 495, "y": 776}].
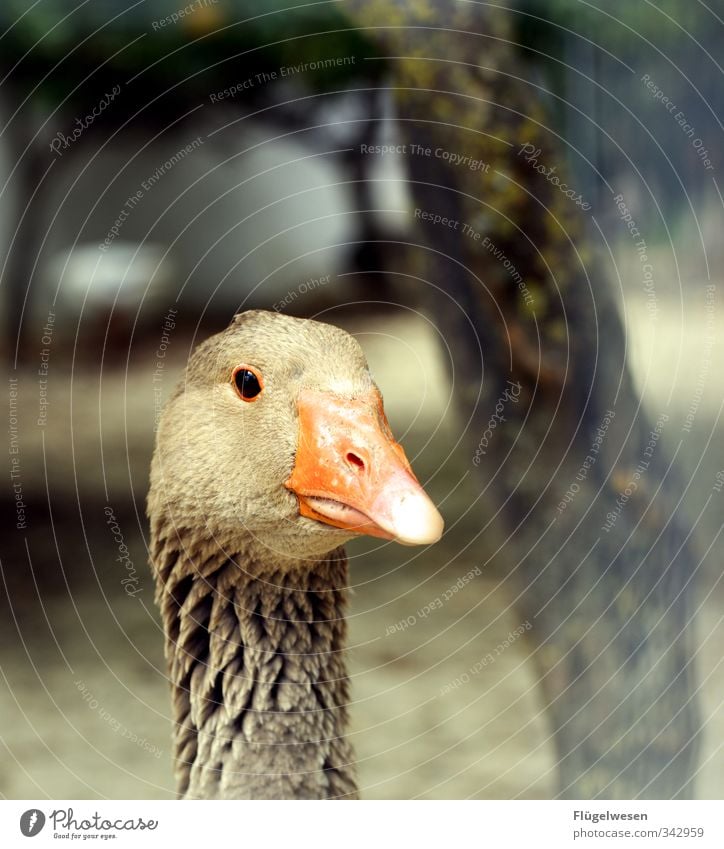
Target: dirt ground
[{"x": 84, "y": 698}]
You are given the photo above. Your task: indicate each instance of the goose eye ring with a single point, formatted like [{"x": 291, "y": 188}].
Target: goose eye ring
[{"x": 247, "y": 382}]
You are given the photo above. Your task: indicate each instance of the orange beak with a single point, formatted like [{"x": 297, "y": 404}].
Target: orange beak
[{"x": 350, "y": 473}]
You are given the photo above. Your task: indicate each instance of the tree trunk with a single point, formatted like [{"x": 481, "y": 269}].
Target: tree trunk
[{"x": 577, "y": 476}]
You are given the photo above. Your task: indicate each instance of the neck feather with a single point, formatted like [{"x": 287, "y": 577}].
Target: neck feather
[{"x": 255, "y": 661}]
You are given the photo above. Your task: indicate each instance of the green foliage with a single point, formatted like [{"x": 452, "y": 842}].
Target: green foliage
[
  {"x": 213, "y": 39},
  {"x": 621, "y": 26}
]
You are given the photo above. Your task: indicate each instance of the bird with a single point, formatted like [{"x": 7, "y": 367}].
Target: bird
[{"x": 272, "y": 452}]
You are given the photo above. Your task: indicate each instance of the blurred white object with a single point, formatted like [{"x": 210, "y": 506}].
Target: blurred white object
[
  {"x": 243, "y": 210},
  {"x": 124, "y": 277}
]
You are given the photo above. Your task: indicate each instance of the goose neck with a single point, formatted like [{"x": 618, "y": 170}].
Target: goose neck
[{"x": 255, "y": 653}]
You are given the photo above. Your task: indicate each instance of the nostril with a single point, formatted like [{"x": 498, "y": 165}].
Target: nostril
[{"x": 355, "y": 460}]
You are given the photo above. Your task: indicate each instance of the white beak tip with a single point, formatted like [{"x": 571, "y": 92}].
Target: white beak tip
[{"x": 416, "y": 520}]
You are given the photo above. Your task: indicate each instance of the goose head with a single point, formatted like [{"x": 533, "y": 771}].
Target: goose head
[{"x": 277, "y": 435}]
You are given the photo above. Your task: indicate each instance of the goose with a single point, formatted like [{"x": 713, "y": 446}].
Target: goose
[{"x": 272, "y": 452}]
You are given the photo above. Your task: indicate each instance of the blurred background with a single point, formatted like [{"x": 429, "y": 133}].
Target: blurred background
[{"x": 161, "y": 171}]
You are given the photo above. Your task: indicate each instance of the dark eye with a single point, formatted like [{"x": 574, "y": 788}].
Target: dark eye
[{"x": 247, "y": 382}]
